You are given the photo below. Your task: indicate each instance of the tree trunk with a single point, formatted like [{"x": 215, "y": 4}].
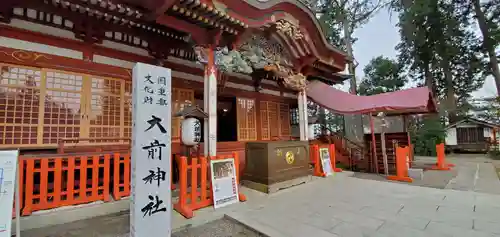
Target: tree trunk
[
  {"x": 487, "y": 43},
  {"x": 450, "y": 90},
  {"x": 429, "y": 80},
  {"x": 348, "y": 45},
  {"x": 322, "y": 120}
]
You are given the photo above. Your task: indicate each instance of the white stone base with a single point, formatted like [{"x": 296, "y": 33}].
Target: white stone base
[{"x": 417, "y": 174}]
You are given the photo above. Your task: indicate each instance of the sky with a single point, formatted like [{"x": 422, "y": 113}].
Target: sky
[{"x": 380, "y": 37}]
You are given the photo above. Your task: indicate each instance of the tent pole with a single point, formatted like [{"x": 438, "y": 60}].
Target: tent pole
[
  {"x": 374, "y": 144},
  {"x": 405, "y": 122}
]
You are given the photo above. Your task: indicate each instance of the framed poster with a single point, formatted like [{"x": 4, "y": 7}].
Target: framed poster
[
  {"x": 324, "y": 155},
  {"x": 224, "y": 184},
  {"x": 8, "y": 167}
]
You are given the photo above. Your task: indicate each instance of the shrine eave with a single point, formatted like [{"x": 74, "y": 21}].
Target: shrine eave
[{"x": 287, "y": 20}]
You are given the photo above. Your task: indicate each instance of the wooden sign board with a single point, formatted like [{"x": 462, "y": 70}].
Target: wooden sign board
[
  {"x": 326, "y": 164},
  {"x": 224, "y": 182},
  {"x": 8, "y": 168}
]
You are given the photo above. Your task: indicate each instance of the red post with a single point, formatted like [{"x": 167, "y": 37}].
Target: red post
[
  {"x": 314, "y": 155},
  {"x": 441, "y": 159},
  {"x": 332, "y": 158},
  {"x": 401, "y": 166},
  {"x": 181, "y": 206},
  {"x": 236, "y": 157}
]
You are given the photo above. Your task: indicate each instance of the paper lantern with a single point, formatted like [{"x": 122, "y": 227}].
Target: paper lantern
[
  {"x": 311, "y": 129},
  {"x": 191, "y": 131}
]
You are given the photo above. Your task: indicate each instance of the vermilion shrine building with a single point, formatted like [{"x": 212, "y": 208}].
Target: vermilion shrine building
[
  {"x": 66, "y": 67},
  {"x": 65, "y": 84}
]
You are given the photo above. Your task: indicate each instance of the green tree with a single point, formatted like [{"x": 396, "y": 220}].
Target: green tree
[
  {"x": 440, "y": 49},
  {"x": 489, "y": 110},
  {"x": 382, "y": 75},
  {"x": 426, "y": 133},
  {"x": 418, "y": 39},
  {"x": 487, "y": 14},
  {"x": 339, "y": 19}
]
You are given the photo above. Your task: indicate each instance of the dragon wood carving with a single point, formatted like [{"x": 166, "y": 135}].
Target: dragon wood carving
[
  {"x": 256, "y": 53},
  {"x": 289, "y": 29},
  {"x": 291, "y": 80}
]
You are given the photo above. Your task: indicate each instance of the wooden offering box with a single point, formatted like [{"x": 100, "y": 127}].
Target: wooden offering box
[{"x": 275, "y": 165}]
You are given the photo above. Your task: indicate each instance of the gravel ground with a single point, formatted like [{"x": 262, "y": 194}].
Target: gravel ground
[
  {"x": 219, "y": 228},
  {"x": 117, "y": 225}
]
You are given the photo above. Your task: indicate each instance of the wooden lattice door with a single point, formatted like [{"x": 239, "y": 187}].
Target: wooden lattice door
[
  {"x": 63, "y": 106},
  {"x": 44, "y": 106},
  {"x": 39, "y": 107},
  {"x": 247, "y": 125},
  {"x": 127, "y": 110},
  {"x": 104, "y": 109},
  {"x": 20, "y": 101}
]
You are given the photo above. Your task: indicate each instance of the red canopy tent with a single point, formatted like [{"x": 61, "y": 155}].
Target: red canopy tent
[
  {"x": 404, "y": 102},
  {"x": 410, "y": 101}
]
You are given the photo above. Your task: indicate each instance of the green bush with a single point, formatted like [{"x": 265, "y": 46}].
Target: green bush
[
  {"x": 426, "y": 134},
  {"x": 494, "y": 154}
]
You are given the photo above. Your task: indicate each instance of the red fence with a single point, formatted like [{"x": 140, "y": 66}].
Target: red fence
[
  {"x": 121, "y": 175},
  {"x": 191, "y": 196},
  {"x": 56, "y": 182},
  {"x": 314, "y": 156},
  {"x": 48, "y": 182}
]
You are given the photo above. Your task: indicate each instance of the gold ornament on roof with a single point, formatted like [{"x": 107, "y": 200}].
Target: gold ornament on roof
[
  {"x": 296, "y": 81},
  {"x": 289, "y": 29},
  {"x": 291, "y": 80}
]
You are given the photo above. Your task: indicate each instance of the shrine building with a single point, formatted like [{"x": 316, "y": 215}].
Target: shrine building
[
  {"x": 66, "y": 69},
  {"x": 250, "y": 66},
  {"x": 66, "y": 83}
]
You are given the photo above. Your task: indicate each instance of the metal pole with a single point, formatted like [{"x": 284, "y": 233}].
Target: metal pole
[{"x": 410, "y": 147}]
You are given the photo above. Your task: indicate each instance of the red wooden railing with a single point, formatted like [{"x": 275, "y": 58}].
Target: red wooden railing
[
  {"x": 193, "y": 196},
  {"x": 353, "y": 151},
  {"x": 52, "y": 181},
  {"x": 65, "y": 188},
  {"x": 315, "y": 160}
]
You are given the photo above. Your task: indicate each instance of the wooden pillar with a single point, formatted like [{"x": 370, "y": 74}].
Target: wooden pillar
[
  {"x": 405, "y": 124},
  {"x": 374, "y": 144},
  {"x": 495, "y": 142},
  {"x": 303, "y": 116},
  {"x": 210, "y": 104},
  {"x": 382, "y": 144}
]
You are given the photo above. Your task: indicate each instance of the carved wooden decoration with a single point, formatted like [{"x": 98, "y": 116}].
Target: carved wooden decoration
[
  {"x": 291, "y": 80},
  {"x": 25, "y": 56},
  {"x": 289, "y": 29}
]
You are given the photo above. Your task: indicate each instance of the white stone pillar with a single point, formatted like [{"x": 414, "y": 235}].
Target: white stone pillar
[
  {"x": 303, "y": 116},
  {"x": 210, "y": 104}
]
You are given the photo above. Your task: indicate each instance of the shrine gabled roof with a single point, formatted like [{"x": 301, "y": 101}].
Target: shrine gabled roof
[{"x": 288, "y": 20}]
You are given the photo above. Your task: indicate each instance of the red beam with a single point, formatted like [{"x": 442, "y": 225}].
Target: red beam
[
  {"x": 198, "y": 34},
  {"x": 159, "y": 7}
]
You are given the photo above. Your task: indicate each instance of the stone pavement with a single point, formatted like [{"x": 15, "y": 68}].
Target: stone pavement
[
  {"x": 340, "y": 206},
  {"x": 475, "y": 173}
]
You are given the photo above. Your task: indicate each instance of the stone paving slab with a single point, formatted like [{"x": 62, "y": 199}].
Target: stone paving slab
[{"x": 341, "y": 206}]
